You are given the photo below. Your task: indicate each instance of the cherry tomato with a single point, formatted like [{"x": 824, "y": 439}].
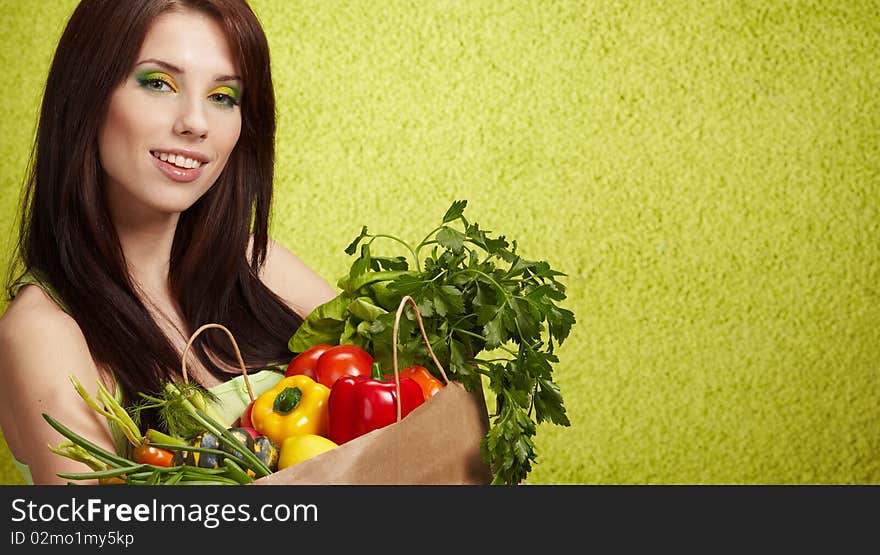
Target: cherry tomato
[
  {"x": 342, "y": 360},
  {"x": 147, "y": 454},
  {"x": 304, "y": 363}
]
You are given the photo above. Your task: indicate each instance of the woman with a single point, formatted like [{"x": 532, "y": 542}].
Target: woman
[{"x": 146, "y": 216}]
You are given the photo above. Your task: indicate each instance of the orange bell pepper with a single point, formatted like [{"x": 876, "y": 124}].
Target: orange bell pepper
[{"x": 427, "y": 382}]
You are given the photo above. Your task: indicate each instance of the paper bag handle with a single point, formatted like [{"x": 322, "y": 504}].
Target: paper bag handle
[
  {"x": 192, "y": 338},
  {"x": 400, "y": 308}
]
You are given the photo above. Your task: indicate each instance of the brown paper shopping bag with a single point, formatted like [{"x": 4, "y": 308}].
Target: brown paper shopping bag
[{"x": 437, "y": 443}]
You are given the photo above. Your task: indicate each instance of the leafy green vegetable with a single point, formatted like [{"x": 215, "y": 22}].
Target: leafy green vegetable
[{"x": 477, "y": 296}]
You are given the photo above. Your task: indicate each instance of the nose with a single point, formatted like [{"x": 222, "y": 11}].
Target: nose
[{"x": 191, "y": 121}]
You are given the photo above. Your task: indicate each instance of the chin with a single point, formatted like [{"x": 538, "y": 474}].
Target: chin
[
  {"x": 177, "y": 197},
  {"x": 171, "y": 204}
]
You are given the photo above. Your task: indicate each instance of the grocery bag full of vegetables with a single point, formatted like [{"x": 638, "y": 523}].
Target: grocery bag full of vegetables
[{"x": 491, "y": 316}]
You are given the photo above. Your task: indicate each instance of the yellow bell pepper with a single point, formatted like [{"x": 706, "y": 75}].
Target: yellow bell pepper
[
  {"x": 297, "y": 405},
  {"x": 299, "y": 448}
]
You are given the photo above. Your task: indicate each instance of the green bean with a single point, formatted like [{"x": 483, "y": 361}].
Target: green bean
[
  {"x": 173, "y": 479},
  {"x": 98, "y": 474},
  {"x": 100, "y": 453},
  {"x": 189, "y": 469},
  {"x": 214, "y": 481},
  {"x": 236, "y": 473}
]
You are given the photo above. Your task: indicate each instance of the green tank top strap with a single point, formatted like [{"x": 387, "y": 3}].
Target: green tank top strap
[{"x": 32, "y": 277}]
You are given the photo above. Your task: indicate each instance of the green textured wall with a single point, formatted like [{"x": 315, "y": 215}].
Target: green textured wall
[{"x": 707, "y": 173}]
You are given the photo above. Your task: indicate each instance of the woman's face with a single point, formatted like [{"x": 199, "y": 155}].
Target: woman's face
[{"x": 173, "y": 122}]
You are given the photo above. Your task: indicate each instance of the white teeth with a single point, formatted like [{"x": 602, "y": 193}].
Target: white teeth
[{"x": 178, "y": 160}]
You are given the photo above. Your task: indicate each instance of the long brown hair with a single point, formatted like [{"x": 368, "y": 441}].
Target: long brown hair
[{"x": 66, "y": 235}]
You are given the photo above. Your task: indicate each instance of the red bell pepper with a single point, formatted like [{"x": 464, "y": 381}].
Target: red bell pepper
[{"x": 361, "y": 404}]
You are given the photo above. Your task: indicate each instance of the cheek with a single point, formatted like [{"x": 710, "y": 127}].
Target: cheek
[
  {"x": 226, "y": 136},
  {"x": 232, "y": 134},
  {"x": 120, "y": 133},
  {"x": 109, "y": 138}
]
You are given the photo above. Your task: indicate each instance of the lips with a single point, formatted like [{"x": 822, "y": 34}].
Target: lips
[{"x": 178, "y": 166}]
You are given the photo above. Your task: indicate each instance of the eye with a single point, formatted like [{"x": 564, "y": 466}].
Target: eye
[
  {"x": 156, "y": 81},
  {"x": 223, "y": 99},
  {"x": 157, "y": 85},
  {"x": 225, "y": 96}
]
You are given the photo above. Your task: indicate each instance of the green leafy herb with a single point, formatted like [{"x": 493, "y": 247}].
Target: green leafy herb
[
  {"x": 478, "y": 298},
  {"x": 174, "y": 408}
]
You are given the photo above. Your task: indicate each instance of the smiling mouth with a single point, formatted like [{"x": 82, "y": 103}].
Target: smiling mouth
[{"x": 178, "y": 160}]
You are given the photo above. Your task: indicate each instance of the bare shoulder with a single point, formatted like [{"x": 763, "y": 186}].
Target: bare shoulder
[
  {"x": 40, "y": 347},
  {"x": 286, "y": 275},
  {"x": 32, "y": 322}
]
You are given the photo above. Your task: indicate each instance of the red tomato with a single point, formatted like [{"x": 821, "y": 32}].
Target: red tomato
[
  {"x": 152, "y": 455},
  {"x": 304, "y": 363},
  {"x": 342, "y": 360}
]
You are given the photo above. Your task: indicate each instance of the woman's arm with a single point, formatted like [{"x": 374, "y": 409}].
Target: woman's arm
[
  {"x": 291, "y": 279},
  {"x": 40, "y": 347}
]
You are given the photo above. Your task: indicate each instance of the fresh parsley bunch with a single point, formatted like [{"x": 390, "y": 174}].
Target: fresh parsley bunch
[{"x": 476, "y": 296}]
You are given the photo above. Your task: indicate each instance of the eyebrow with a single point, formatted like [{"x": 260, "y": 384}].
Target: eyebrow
[{"x": 175, "y": 69}]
